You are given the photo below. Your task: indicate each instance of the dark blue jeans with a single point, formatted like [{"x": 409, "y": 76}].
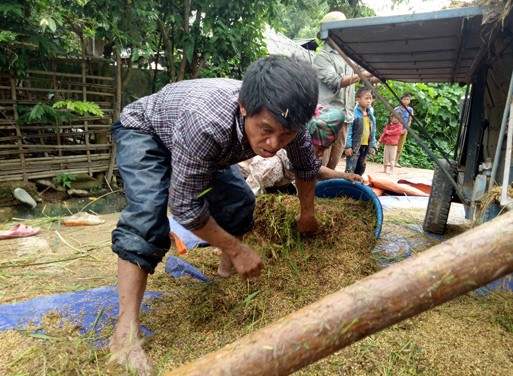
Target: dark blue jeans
[
  {"x": 142, "y": 232},
  {"x": 357, "y": 163}
]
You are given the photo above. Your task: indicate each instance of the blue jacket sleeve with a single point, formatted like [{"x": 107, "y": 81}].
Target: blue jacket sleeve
[
  {"x": 373, "y": 130},
  {"x": 373, "y": 136},
  {"x": 349, "y": 137}
]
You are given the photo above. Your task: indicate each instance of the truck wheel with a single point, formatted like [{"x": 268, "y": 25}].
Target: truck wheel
[{"x": 440, "y": 198}]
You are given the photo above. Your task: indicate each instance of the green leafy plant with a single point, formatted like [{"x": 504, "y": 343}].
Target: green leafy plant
[
  {"x": 61, "y": 112},
  {"x": 44, "y": 114},
  {"x": 436, "y": 108},
  {"x": 64, "y": 179},
  {"x": 80, "y": 107}
]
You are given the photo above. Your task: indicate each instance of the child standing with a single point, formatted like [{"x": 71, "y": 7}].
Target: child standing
[
  {"x": 390, "y": 138},
  {"x": 407, "y": 113},
  {"x": 361, "y": 136}
]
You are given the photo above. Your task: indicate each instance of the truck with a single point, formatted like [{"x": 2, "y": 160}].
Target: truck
[{"x": 471, "y": 46}]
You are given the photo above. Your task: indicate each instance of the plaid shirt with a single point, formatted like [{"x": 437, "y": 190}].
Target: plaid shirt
[{"x": 199, "y": 121}]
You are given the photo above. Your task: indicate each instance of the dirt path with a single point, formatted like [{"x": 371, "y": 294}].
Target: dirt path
[{"x": 376, "y": 170}]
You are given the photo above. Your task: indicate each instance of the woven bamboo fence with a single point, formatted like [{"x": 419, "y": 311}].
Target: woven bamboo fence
[{"x": 43, "y": 150}]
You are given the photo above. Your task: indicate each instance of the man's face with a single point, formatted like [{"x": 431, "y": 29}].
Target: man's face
[
  {"x": 265, "y": 134},
  {"x": 365, "y": 100},
  {"x": 406, "y": 101}
]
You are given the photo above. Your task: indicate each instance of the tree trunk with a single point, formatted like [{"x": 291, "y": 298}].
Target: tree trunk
[
  {"x": 433, "y": 277},
  {"x": 186, "y": 16},
  {"x": 168, "y": 50}
]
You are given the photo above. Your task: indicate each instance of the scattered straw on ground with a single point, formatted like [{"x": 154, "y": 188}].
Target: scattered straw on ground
[
  {"x": 470, "y": 335},
  {"x": 298, "y": 272}
]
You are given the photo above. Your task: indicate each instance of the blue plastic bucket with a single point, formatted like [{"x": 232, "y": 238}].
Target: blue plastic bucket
[{"x": 333, "y": 188}]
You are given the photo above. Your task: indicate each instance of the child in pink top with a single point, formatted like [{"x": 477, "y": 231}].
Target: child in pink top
[{"x": 390, "y": 138}]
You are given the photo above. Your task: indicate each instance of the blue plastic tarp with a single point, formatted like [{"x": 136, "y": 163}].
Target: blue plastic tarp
[
  {"x": 177, "y": 267},
  {"x": 188, "y": 238},
  {"x": 392, "y": 248},
  {"x": 91, "y": 310}
]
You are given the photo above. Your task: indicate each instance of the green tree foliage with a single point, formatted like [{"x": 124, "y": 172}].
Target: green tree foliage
[
  {"x": 215, "y": 37},
  {"x": 80, "y": 107},
  {"x": 300, "y": 19},
  {"x": 201, "y": 37},
  {"x": 59, "y": 113},
  {"x": 25, "y": 34},
  {"x": 437, "y": 110}
]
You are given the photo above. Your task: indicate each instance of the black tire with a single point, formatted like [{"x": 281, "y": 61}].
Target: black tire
[{"x": 440, "y": 198}]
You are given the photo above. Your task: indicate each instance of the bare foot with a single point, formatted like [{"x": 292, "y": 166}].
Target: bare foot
[
  {"x": 225, "y": 266},
  {"x": 217, "y": 251},
  {"x": 126, "y": 349},
  {"x": 384, "y": 172}
]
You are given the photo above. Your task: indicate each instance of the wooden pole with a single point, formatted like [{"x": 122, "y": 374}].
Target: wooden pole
[
  {"x": 435, "y": 276},
  {"x": 115, "y": 115},
  {"x": 505, "y": 200},
  {"x": 19, "y": 136}
]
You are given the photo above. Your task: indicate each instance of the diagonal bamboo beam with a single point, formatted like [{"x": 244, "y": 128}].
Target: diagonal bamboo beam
[{"x": 435, "y": 276}]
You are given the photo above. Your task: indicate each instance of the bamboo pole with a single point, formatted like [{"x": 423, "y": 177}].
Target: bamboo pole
[
  {"x": 116, "y": 113},
  {"x": 450, "y": 269},
  {"x": 86, "y": 123},
  {"x": 19, "y": 141},
  {"x": 70, "y": 75},
  {"x": 50, "y": 173},
  {"x": 47, "y": 101},
  {"x": 505, "y": 200},
  {"x": 67, "y": 91},
  {"x": 75, "y": 123},
  {"x": 104, "y": 87},
  {"x": 43, "y": 161}
]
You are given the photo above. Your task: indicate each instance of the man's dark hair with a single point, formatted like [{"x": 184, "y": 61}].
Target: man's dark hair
[
  {"x": 406, "y": 95},
  {"x": 361, "y": 90},
  {"x": 288, "y": 89}
]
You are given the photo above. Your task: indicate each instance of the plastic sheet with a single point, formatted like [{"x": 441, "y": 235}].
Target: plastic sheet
[
  {"x": 91, "y": 310},
  {"x": 188, "y": 238},
  {"x": 177, "y": 268}
]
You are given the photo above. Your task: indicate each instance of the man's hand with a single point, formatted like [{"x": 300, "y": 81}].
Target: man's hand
[
  {"x": 352, "y": 177},
  {"x": 247, "y": 262},
  {"x": 348, "y": 151},
  {"x": 372, "y": 79},
  {"x": 306, "y": 225},
  {"x": 378, "y": 145},
  {"x": 244, "y": 259}
]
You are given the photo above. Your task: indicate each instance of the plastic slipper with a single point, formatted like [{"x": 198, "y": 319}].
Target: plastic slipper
[
  {"x": 19, "y": 231},
  {"x": 83, "y": 219}
]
